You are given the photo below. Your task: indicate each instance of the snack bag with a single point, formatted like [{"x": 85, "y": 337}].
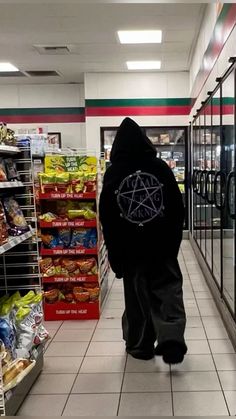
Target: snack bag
[
  {"x": 62, "y": 182},
  {"x": 86, "y": 265},
  {"x": 89, "y": 214},
  {"x": 90, "y": 182},
  {"x": 11, "y": 170},
  {"x": 64, "y": 236},
  {"x": 47, "y": 182},
  {"x": 48, "y": 217},
  {"x": 3, "y": 174},
  {"x": 49, "y": 240},
  {"x": 77, "y": 181},
  {"x": 7, "y": 335},
  {"x": 79, "y": 237},
  {"x": 3, "y": 226},
  {"x": 92, "y": 239},
  {"x": 69, "y": 264},
  {"x": 62, "y": 208},
  {"x": 15, "y": 217},
  {"x": 75, "y": 213},
  {"x": 80, "y": 294}
]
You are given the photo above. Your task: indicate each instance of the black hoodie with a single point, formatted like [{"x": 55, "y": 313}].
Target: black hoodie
[{"x": 141, "y": 208}]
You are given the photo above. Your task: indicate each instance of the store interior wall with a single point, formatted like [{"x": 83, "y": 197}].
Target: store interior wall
[
  {"x": 35, "y": 97},
  {"x": 134, "y": 86}
]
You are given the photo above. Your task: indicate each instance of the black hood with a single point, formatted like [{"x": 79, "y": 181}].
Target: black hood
[{"x": 131, "y": 143}]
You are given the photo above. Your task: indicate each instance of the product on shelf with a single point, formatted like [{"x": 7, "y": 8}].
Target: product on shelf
[
  {"x": 7, "y": 136},
  {"x": 15, "y": 217},
  {"x": 68, "y": 267},
  {"x": 3, "y": 174},
  {"x": 64, "y": 238},
  {"x": 15, "y": 373},
  {"x": 3, "y": 226},
  {"x": 70, "y": 293},
  {"x": 75, "y": 182},
  {"x": 11, "y": 170},
  {"x": 21, "y": 327}
]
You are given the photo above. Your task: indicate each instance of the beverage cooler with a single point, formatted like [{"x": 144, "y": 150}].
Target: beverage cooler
[
  {"x": 171, "y": 146},
  {"x": 213, "y": 185}
]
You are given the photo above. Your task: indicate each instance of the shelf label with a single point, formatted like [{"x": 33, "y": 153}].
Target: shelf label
[{"x": 72, "y": 311}]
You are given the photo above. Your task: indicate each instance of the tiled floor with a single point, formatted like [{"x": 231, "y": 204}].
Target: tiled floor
[{"x": 87, "y": 372}]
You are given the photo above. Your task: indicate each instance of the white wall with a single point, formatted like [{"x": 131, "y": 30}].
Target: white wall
[
  {"x": 48, "y": 96},
  {"x": 133, "y": 86}
]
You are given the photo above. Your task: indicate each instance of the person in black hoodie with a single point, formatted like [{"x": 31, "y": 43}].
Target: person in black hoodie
[{"x": 141, "y": 212}]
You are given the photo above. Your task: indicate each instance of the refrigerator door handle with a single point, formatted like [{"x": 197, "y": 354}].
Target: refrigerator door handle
[
  {"x": 208, "y": 199},
  {"x": 222, "y": 177},
  {"x": 198, "y": 182},
  {"x": 203, "y": 184},
  {"x": 229, "y": 180},
  {"x": 194, "y": 180}
]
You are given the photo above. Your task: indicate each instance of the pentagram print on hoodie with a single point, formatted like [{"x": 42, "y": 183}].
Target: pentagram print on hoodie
[{"x": 141, "y": 207}]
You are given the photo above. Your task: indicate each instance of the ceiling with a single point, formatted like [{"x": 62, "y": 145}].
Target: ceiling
[{"x": 89, "y": 28}]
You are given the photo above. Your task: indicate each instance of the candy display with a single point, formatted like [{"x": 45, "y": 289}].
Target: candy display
[
  {"x": 15, "y": 217},
  {"x": 68, "y": 266},
  {"x": 76, "y": 182}
]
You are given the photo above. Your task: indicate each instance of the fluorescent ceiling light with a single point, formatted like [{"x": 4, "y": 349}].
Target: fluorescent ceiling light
[
  {"x": 143, "y": 65},
  {"x": 5, "y": 67},
  {"x": 140, "y": 37}
]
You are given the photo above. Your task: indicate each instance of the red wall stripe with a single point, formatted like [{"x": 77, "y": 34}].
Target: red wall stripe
[
  {"x": 138, "y": 110},
  {"x": 30, "y": 119}
]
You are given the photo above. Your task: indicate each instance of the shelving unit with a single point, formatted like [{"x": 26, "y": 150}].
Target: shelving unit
[
  {"x": 68, "y": 304},
  {"x": 19, "y": 262}
]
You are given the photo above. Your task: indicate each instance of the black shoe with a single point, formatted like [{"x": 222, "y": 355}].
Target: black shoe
[
  {"x": 171, "y": 351},
  {"x": 141, "y": 355}
]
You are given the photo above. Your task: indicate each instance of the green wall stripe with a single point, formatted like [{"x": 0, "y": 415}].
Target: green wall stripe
[
  {"x": 43, "y": 111},
  {"x": 137, "y": 102}
]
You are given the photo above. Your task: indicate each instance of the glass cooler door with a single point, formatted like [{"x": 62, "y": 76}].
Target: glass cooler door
[{"x": 228, "y": 166}]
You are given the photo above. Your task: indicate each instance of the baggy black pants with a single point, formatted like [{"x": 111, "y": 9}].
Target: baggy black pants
[{"x": 154, "y": 307}]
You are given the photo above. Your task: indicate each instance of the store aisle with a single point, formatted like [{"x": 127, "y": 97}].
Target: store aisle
[{"x": 87, "y": 372}]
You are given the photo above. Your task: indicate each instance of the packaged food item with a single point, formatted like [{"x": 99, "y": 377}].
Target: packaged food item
[
  {"x": 3, "y": 132},
  {"x": 79, "y": 237},
  {"x": 15, "y": 217},
  {"x": 51, "y": 296},
  {"x": 11, "y": 170},
  {"x": 94, "y": 293},
  {"x": 64, "y": 236},
  {"x": 62, "y": 208},
  {"x": 47, "y": 182},
  {"x": 90, "y": 182},
  {"x": 45, "y": 264},
  {"x": 80, "y": 294},
  {"x": 62, "y": 182},
  {"x": 48, "y": 217},
  {"x": 3, "y": 226},
  {"x": 91, "y": 239},
  {"x": 49, "y": 240},
  {"x": 15, "y": 373},
  {"x": 86, "y": 265},
  {"x": 69, "y": 297},
  {"x": 77, "y": 181},
  {"x": 7, "y": 335},
  {"x": 76, "y": 213},
  {"x": 89, "y": 214},
  {"x": 3, "y": 174},
  {"x": 69, "y": 264}
]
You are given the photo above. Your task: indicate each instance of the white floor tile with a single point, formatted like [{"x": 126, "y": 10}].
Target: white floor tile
[
  {"x": 195, "y": 381},
  {"x": 225, "y": 362},
  {"x": 106, "y": 348},
  {"x": 203, "y": 295},
  {"x": 80, "y": 335},
  {"x": 112, "y": 313},
  {"x": 103, "y": 364},
  {"x": 65, "y": 349},
  {"x": 221, "y": 346},
  {"x": 115, "y": 304},
  {"x": 230, "y": 400},
  {"x": 47, "y": 405},
  {"x": 153, "y": 365},
  {"x": 216, "y": 332},
  {"x": 53, "y": 384},
  {"x": 62, "y": 364},
  {"x": 228, "y": 380},
  {"x": 194, "y": 322},
  {"x": 197, "y": 347},
  {"x": 109, "y": 324},
  {"x": 150, "y": 404},
  {"x": 92, "y": 405},
  {"x": 199, "y": 403},
  {"x": 98, "y": 383},
  {"x": 195, "y": 363},
  {"x": 79, "y": 324},
  {"x": 212, "y": 321},
  {"x": 192, "y": 333},
  {"x": 108, "y": 335},
  {"x": 146, "y": 382}
]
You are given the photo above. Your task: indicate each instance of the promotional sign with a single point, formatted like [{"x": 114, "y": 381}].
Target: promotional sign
[{"x": 59, "y": 164}]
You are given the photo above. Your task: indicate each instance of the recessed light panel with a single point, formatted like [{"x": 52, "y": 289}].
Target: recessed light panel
[
  {"x": 5, "y": 67},
  {"x": 143, "y": 65},
  {"x": 140, "y": 37}
]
